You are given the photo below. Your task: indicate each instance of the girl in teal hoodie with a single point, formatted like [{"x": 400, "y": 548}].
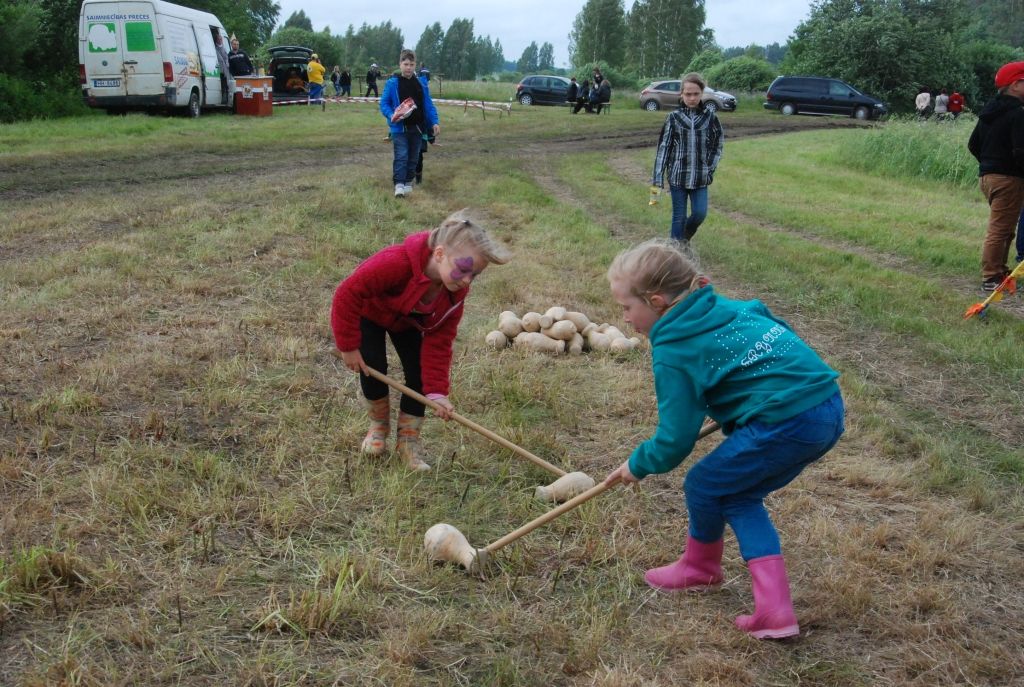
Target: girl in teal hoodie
[{"x": 776, "y": 400}]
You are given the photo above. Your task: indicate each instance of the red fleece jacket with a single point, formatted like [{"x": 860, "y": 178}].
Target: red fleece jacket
[{"x": 384, "y": 289}]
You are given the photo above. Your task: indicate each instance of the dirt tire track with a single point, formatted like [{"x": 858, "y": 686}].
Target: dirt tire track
[{"x": 959, "y": 396}]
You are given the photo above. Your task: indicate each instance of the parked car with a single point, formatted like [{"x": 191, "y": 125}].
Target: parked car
[
  {"x": 822, "y": 96},
  {"x": 542, "y": 90},
  {"x": 659, "y": 94},
  {"x": 288, "y": 67}
]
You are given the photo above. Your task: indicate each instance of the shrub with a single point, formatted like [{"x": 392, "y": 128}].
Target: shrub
[
  {"x": 910, "y": 148},
  {"x": 703, "y": 61},
  {"x": 20, "y": 100},
  {"x": 741, "y": 74}
]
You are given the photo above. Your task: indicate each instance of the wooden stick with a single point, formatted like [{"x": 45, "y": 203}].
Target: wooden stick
[
  {"x": 466, "y": 422},
  {"x": 569, "y": 505},
  {"x": 548, "y": 517}
]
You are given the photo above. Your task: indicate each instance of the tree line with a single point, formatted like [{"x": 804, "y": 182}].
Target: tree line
[{"x": 890, "y": 48}]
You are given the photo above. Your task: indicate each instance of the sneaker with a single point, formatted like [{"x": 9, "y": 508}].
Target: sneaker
[
  {"x": 990, "y": 285},
  {"x": 408, "y": 189},
  {"x": 400, "y": 190}
]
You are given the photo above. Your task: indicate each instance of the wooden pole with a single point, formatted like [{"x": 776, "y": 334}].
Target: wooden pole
[
  {"x": 464, "y": 421},
  {"x": 549, "y": 516},
  {"x": 569, "y": 505}
]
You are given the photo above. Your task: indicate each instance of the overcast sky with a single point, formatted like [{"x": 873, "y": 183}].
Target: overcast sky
[{"x": 518, "y": 22}]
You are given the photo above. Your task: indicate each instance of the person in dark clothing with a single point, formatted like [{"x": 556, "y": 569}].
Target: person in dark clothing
[
  {"x": 997, "y": 142},
  {"x": 583, "y": 97},
  {"x": 345, "y": 81},
  {"x": 424, "y": 72},
  {"x": 371, "y": 80},
  {"x": 336, "y": 80},
  {"x": 238, "y": 62},
  {"x": 601, "y": 97},
  {"x": 574, "y": 89}
]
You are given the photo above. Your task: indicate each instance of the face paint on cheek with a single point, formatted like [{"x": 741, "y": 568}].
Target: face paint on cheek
[{"x": 463, "y": 268}]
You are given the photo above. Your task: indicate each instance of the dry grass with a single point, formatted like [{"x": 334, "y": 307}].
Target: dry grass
[{"x": 181, "y": 500}]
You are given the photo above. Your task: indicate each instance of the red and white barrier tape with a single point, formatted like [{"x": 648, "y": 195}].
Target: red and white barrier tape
[{"x": 480, "y": 104}]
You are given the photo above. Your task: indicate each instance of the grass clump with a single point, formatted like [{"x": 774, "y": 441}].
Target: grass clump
[{"x": 921, "y": 150}]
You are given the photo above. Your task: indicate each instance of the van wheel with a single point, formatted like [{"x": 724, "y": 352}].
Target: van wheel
[
  {"x": 788, "y": 109},
  {"x": 860, "y": 113},
  {"x": 194, "y": 108},
  {"x": 651, "y": 105}
]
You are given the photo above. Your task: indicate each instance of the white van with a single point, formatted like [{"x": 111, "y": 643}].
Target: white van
[{"x": 150, "y": 54}]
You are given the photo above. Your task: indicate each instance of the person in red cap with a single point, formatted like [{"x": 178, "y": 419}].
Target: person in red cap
[{"x": 998, "y": 144}]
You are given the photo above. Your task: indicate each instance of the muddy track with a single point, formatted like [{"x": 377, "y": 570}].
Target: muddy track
[{"x": 24, "y": 181}]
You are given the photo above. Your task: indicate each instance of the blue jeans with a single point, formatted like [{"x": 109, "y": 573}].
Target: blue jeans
[
  {"x": 684, "y": 227},
  {"x": 407, "y": 154},
  {"x": 316, "y": 91},
  {"x": 729, "y": 484},
  {"x": 1020, "y": 237}
]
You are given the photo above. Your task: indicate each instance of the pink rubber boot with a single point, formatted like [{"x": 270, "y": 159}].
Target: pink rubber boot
[
  {"x": 699, "y": 567},
  {"x": 773, "y": 608}
]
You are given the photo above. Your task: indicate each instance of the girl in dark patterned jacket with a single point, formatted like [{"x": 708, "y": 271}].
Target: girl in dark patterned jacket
[
  {"x": 414, "y": 293},
  {"x": 689, "y": 149}
]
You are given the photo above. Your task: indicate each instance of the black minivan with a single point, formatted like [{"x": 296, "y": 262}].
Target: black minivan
[{"x": 816, "y": 95}]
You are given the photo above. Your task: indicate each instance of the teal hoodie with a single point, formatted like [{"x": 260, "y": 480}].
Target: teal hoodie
[{"x": 731, "y": 360}]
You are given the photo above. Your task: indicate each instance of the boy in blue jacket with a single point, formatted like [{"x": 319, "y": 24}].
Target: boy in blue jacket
[{"x": 408, "y": 127}]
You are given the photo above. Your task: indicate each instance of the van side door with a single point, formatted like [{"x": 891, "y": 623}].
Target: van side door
[
  {"x": 209, "y": 64},
  {"x": 183, "y": 53},
  {"x": 841, "y": 98}
]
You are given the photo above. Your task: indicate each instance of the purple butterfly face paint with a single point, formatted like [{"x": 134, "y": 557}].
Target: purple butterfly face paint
[{"x": 463, "y": 268}]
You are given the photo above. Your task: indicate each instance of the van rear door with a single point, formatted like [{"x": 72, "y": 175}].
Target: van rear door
[{"x": 120, "y": 49}]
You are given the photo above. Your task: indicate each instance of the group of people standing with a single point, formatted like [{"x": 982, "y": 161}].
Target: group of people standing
[
  {"x": 947, "y": 105},
  {"x": 590, "y": 95}
]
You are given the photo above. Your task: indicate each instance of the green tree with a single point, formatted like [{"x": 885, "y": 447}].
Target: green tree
[
  {"x": 775, "y": 53},
  {"x": 662, "y": 35},
  {"x": 1002, "y": 20},
  {"x": 488, "y": 56},
  {"x": 888, "y": 48},
  {"x": 598, "y": 33},
  {"x": 428, "y": 47},
  {"x": 328, "y": 47},
  {"x": 546, "y": 57},
  {"x": 299, "y": 20},
  {"x": 741, "y": 73},
  {"x": 19, "y": 25},
  {"x": 529, "y": 61},
  {"x": 458, "y": 50}
]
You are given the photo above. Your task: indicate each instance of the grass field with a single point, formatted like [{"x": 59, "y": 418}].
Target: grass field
[{"x": 181, "y": 496}]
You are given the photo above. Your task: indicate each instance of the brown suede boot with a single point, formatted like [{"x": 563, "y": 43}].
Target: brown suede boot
[
  {"x": 409, "y": 446},
  {"x": 376, "y": 441}
]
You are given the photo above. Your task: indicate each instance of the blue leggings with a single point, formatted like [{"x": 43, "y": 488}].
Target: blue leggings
[
  {"x": 684, "y": 227},
  {"x": 729, "y": 484}
]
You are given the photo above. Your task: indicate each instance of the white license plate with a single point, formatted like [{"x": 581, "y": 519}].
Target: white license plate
[{"x": 106, "y": 83}]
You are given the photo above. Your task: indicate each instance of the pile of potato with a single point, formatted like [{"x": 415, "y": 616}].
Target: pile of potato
[{"x": 558, "y": 331}]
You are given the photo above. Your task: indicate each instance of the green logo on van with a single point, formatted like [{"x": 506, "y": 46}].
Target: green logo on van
[{"x": 102, "y": 37}]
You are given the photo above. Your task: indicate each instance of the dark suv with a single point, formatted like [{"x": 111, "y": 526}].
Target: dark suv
[
  {"x": 542, "y": 90},
  {"x": 816, "y": 95}
]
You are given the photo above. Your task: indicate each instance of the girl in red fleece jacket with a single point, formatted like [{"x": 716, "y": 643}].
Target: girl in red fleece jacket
[{"x": 413, "y": 292}]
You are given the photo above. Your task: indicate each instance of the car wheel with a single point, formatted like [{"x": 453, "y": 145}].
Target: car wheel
[
  {"x": 788, "y": 109},
  {"x": 651, "y": 105},
  {"x": 194, "y": 107},
  {"x": 526, "y": 99},
  {"x": 861, "y": 113}
]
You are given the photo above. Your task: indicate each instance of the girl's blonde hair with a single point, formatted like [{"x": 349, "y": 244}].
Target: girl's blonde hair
[
  {"x": 657, "y": 266},
  {"x": 459, "y": 229},
  {"x": 693, "y": 77}
]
